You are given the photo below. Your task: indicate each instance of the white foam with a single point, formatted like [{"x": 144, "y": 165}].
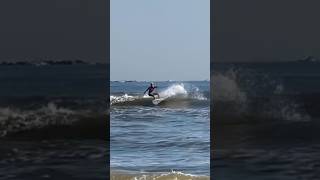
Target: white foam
[
  {"x": 123, "y": 98},
  {"x": 174, "y": 90},
  {"x": 174, "y": 175},
  {"x": 198, "y": 95},
  {"x": 14, "y": 120}
]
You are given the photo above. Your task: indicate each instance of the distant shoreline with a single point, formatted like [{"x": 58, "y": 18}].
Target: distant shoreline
[
  {"x": 49, "y": 63},
  {"x": 308, "y": 59}
]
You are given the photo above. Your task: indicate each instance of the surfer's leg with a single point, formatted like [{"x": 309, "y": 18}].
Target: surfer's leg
[{"x": 152, "y": 96}]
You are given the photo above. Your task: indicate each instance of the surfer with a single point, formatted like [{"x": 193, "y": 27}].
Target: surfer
[{"x": 151, "y": 92}]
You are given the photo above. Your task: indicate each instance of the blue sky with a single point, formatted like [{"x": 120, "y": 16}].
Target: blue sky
[{"x": 160, "y": 40}]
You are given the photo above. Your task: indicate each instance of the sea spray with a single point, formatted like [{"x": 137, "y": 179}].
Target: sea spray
[
  {"x": 239, "y": 93},
  {"x": 174, "y": 90},
  {"x": 226, "y": 88}
]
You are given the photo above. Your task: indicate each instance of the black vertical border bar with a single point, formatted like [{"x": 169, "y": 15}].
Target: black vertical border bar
[{"x": 108, "y": 84}]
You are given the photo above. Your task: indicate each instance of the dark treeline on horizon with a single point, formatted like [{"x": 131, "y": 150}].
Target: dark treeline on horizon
[
  {"x": 307, "y": 59},
  {"x": 48, "y": 62}
]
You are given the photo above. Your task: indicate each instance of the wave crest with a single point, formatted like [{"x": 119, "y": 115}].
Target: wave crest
[{"x": 16, "y": 120}]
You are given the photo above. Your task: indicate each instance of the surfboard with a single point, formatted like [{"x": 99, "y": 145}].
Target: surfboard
[{"x": 157, "y": 101}]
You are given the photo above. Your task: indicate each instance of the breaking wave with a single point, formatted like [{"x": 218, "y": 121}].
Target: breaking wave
[
  {"x": 175, "y": 94},
  {"x": 242, "y": 94},
  {"x": 51, "y": 120}
]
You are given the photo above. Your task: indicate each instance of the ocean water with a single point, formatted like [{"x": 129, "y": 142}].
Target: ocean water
[
  {"x": 266, "y": 120},
  {"x": 53, "y": 122},
  {"x": 170, "y": 140}
]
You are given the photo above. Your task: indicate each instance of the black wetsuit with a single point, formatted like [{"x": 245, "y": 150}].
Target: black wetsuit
[{"x": 150, "y": 91}]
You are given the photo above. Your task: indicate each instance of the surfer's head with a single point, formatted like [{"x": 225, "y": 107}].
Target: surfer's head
[{"x": 151, "y": 84}]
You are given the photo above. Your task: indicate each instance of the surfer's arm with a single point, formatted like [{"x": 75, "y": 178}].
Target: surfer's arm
[{"x": 146, "y": 91}]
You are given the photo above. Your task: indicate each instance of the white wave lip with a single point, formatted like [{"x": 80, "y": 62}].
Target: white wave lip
[{"x": 174, "y": 90}]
